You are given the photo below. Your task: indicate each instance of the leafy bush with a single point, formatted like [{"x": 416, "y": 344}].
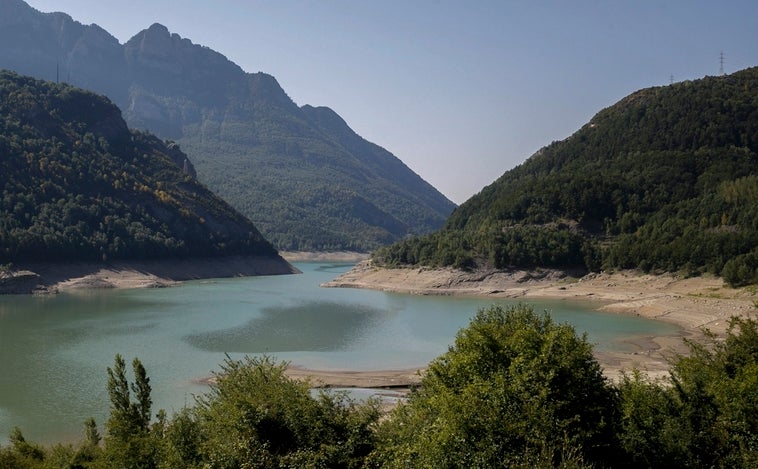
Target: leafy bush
[
  {"x": 255, "y": 412},
  {"x": 516, "y": 390},
  {"x": 742, "y": 270}
]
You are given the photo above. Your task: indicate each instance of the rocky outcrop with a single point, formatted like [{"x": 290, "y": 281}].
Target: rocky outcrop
[{"x": 18, "y": 282}]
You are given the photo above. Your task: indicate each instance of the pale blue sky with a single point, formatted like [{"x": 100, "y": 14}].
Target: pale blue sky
[{"x": 461, "y": 91}]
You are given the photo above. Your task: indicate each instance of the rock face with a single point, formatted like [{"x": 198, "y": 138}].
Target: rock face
[
  {"x": 19, "y": 282},
  {"x": 306, "y": 179},
  {"x": 54, "y": 47}
]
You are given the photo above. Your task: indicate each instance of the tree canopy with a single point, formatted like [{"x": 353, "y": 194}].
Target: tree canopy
[
  {"x": 516, "y": 390},
  {"x": 77, "y": 184},
  {"x": 664, "y": 180}
]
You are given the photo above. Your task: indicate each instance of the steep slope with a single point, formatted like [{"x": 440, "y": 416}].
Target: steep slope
[
  {"x": 666, "y": 179},
  {"x": 78, "y": 185},
  {"x": 54, "y": 47},
  {"x": 300, "y": 173}
]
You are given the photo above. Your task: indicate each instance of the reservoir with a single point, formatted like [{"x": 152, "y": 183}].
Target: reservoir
[{"x": 54, "y": 350}]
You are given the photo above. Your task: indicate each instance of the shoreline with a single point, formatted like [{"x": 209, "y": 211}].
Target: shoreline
[
  {"x": 402, "y": 379},
  {"x": 691, "y": 304},
  {"x": 50, "y": 278},
  {"x": 324, "y": 256}
]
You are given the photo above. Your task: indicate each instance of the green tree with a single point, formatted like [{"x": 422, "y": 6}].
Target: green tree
[
  {"x": 717, "y": 385},
  {"x": 706, "y": 415},
  {"x": 182, "y": 441},
  {"x": 255, "y": 416},
  {"x": 516, "y": 390},
  {"x": 651, "y": 434},
  {"x": 22, "y": 453},
  {"x": 129, "y": 442}
]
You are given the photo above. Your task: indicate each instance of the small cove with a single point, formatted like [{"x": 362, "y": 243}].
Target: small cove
[{"x": 54, "y": 350}]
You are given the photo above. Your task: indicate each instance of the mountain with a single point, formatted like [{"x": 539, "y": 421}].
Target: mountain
[
  {"x": 664, "y": 180},
  {"x": 78, "y": 185},
  {"x": 300, "y": 173}
]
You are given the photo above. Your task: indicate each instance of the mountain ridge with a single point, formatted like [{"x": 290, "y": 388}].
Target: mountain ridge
[{"x": 248, "y": 140}]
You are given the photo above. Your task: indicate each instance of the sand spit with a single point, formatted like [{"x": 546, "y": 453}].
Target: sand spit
[
  {"x": 401, "y": 380},
  {"x": 324, "y": 256},
  {"x": 54, "y": 277},
  {"x": 375, "y": 379}
]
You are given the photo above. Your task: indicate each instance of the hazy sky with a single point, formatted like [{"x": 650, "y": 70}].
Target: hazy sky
[{"x": 461, "y": 91}]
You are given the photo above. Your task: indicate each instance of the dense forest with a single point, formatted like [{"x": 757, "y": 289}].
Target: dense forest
[
  {"x": 664, "y": 180},
  {"x": 77, "y": 184},
  {"x": 515, "y": 390}
]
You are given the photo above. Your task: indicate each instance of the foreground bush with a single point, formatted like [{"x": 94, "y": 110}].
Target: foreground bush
[
  {"x": 516, "y": 390},
  {"x": 705, "y": 414},
  {"x": 255, "y": 416}
]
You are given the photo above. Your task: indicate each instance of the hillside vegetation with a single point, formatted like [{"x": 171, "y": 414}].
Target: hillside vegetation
[
  {"x": 305, "y": 179},
  {"x": 77, "y": 184},
  {"x": 664, "y": 180}
]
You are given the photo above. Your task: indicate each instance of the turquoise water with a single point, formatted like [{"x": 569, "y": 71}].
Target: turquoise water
[{"x": 54, "y": 350}]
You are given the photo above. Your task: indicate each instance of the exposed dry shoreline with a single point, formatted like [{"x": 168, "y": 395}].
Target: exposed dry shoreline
[
  {"x": 331, "y": 256},
  {"x": 54, "y": 277},
  {"x": 691, "y": 304}
]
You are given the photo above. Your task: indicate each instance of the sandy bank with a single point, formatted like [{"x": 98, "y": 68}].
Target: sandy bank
[
  {"x": 386, "y": 379},
  {"x": 402, "y": 379},
  {"x": 324, "y": 256},
  {"x": 52, "y": 277},
  {"x": 692, "y": 303}
]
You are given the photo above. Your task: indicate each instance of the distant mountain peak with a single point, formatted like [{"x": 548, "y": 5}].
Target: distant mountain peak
[
  {"x": 9, "y": 7},
  {"x": 159, "y": 49},
  {"x": 250, "y": 142},
  {"x": 155, "y": 40},
  {"x": 157, "y": 28}
]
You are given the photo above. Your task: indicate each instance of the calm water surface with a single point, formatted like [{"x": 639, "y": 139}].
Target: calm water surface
[{"x": 54, "y": 350}]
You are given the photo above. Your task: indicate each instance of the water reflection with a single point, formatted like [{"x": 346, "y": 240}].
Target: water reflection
[
  {"x": 308, "y": 327},
  {"x": 331, "y": 268}
]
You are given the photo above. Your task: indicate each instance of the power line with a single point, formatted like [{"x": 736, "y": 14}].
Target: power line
[{"x": 721, "y": 63}]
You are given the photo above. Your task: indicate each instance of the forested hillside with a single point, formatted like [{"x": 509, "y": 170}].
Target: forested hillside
[
  {"x": 77, "y": 184},
  {"x": 664, "y": 180},
  {"x": 299, "y": 173}
]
